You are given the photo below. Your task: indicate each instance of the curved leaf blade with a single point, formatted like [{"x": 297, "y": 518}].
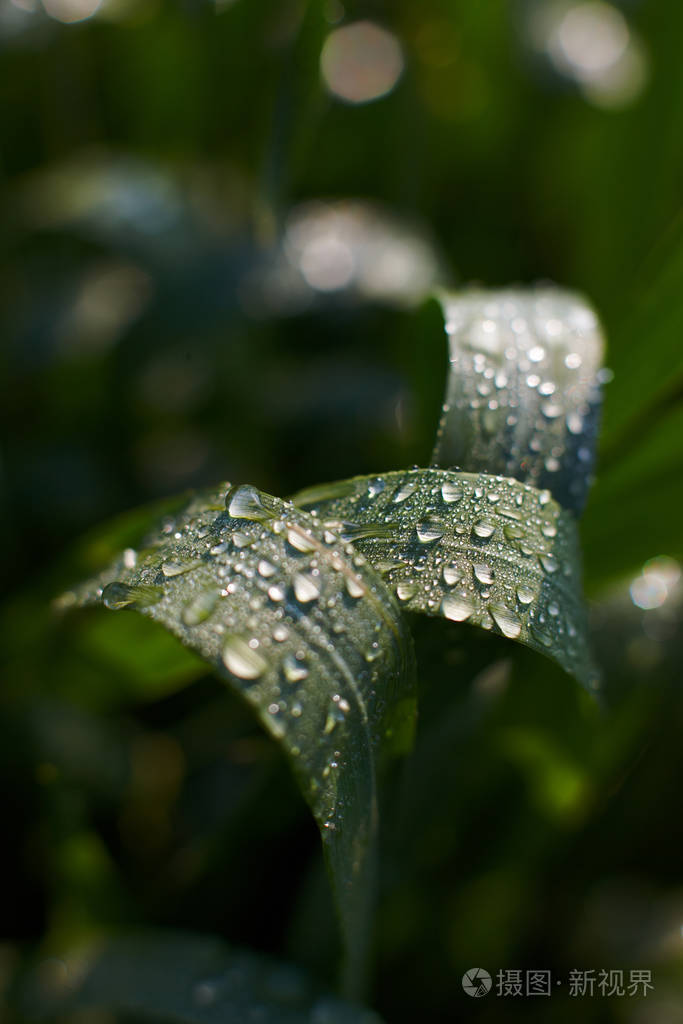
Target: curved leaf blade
[
  {"x": 523, "y": 389},
  {"x": 474, "y": 548},
  {"x": 299, "y": 624},
  {"x": 181, "y": 977}
]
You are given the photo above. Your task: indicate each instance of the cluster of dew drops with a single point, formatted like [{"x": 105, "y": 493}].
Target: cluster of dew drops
[
  {"x": 476, "y": 548},
  {"x": 301, "y": 612}
]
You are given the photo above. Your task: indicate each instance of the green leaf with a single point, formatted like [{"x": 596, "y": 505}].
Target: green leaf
[
  {"x": 189, "y": 979},
  {"x": 299, "y": 624},
  {"x": 647, "y": 358},
  {"x": 523, "y": 394},
  {"x": 474, "y": 548}
]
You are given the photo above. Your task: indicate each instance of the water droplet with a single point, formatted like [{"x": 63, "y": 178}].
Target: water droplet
[
  {"x": 130, "y": 558},
  {"x": 276, "y": 593},
  {"x": 549, "y": 563},
  {"x": 457, "y": 608},
  {"x": 119, "y": 595},
  {"x": 525, "y": 595},
  {"x": 551, "y": 409},
  {"x": 295, "y": 669},
  {"x": 574, "y": 423},
  {"x": 484, "y": 528},
  {"x": 405, "y": 590},
  {"x": 246, "y": 502},
  {"x": 507, "y": 621},
  {"x": 493, "y": 497},
  {"x": 242, "y": 660},
  {"x": 451, "y": 492},
  {"x": 300, "y": 541},
  {"x": 330, "y": 723},
  {"x": 540, "y": 634},
  {"x": 430, "y": 530},
  {"x": 171, "y": 569},
  {"x": 241, "y": 539},
  {"x": 553, "y": 609},
  {"x": 297, "y": 709},
  {"x": 405, "y": 490},
  {"x": 265, "y": 569},
  {"x": 513, "y": 532},
  {"x": 483, "y": 573},
  {"x": 354, "y": 586},
  {"x": 549, "y": 530},
  {"x": 536, "y": 354},
  {"x": 305, "y": 588},
  {"x": 280, "y": 633},
  {"x": 572, "y": 361},
  {"x": 199, "y": 608},
  {"x": 451, "y": 575},
  {"x": 376, "y": 487}
]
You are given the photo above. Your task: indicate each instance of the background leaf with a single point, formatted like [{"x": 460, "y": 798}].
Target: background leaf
[
  {"x": 474, "y": 548},
  {"x": 302, "y": 627}
]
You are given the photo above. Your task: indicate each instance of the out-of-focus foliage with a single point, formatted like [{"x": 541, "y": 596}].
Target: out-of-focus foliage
[{"x": 178, "y": 307}]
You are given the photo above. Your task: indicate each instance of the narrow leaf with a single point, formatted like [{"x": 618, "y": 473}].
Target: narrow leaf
[
  {"x": 299, "y": 624},
  {"x": 474, "y": 548},
  {"x": 523, "y": 389},
  {"x": 186, "y": 978}
]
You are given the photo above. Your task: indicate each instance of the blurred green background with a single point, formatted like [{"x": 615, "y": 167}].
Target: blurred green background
[{"x": 220, "y": 221}]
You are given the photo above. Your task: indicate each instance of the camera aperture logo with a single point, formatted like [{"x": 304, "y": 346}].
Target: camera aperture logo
[{"x": 476, "y": 982}]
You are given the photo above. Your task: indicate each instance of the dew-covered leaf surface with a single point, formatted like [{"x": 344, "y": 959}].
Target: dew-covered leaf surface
[
  {"x": 297, "y": 622},
  {"x": 182, "y": 978},
  {"x": 474, "y": 548},
  {"x": 523, "y": 389}
]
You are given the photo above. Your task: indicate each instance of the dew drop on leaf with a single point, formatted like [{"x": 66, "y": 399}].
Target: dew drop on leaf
[
  {"x": 457, "y": 608},
  {"x": 507, "y": 621},
  {"x": 305, "y": 588},
  {"x": 199, "y": 608},
  {"x": 240, "y": 659}
]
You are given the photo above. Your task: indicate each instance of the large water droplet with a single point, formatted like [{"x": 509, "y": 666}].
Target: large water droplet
[
  {"x": 305, "y": 588},
  {"x": 549, "y": 563},
  {"x": 171, "y": 569},
  {"x": 451, "y": 574},
  {"x": 458, "y": 608},
  {"x": 430, "y": 530},
  {"x": 513, "y": 531},
  {"x": 525, "y": 595},
  {"x": 506, "y": 620},
  {"x": 119, "y": 595},
  {"x": 405, "y": 490},
  {"x": 242, "y": 660},
  {"x": 451, "y": 492},
  {"x": 300, "y": 541},
  {"x": 199, "y": 608},
  {"x": 354, "y": 586},
  {"x": 483, "y": 572},
  {"x": 246, "y": 502},
  {"x": 484, "y": 528},
  {"x": 294, "y": 668},
  {"x": 406, "y": 589}
]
